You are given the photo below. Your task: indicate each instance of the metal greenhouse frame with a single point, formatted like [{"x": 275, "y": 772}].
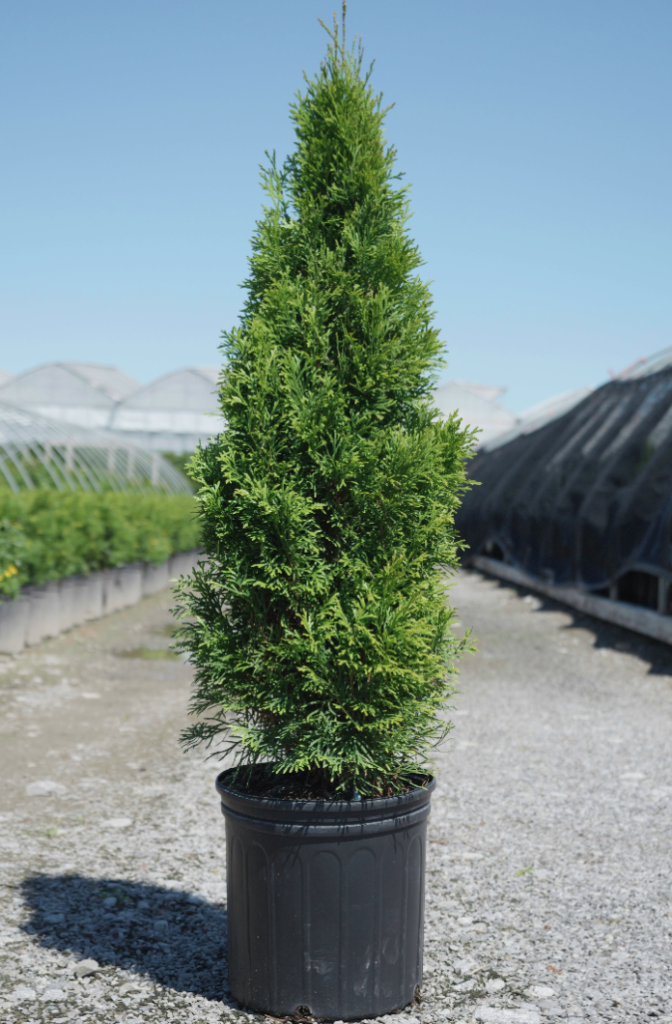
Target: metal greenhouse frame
[{"x": 39, "y": 452}]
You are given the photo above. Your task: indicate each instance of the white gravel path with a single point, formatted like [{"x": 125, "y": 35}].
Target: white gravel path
[{"x": 549, "y": 867}]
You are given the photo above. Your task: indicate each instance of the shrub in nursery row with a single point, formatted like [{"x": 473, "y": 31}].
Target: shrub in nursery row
[{"x": 46, "y": 535}]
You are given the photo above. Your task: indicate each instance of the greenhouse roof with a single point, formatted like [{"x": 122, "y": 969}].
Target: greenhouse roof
[
  {"x": 109, "y": 379},
  {"x": 38, "y": 452},
  {"x": 645, "y": 367},
  {"x": 79, "y": 393},
  {"x": 490, "y": 392},
  {"x": 476, "y": 406},
  {"x": 183, "y": 402},
  {"x": 539, "y": 415}
]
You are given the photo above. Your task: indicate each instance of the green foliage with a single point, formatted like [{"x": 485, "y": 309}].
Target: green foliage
[
  {"x": 321, "y": 633},
  {"x": 49, "y": 534},
  {"x": 12, "y": 548},
  {"x": 178, "y": 462}
]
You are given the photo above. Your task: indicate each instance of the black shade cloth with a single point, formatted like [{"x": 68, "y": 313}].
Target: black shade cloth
[{"x": 585, "y": 498}]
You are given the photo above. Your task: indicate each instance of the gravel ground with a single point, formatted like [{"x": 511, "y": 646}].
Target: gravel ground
[{"x": 548, "y": 895}]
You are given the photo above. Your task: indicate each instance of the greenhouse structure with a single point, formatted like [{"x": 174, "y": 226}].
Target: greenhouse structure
[
  {"x": 39, "y": 452},
  {"x": 173, "y": 413},
  {"x": 79, "y": 393},
  {"x": 477, "y": 406},
  {"x": 577, "y": 501}
]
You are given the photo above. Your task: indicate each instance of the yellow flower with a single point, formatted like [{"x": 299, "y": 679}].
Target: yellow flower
[{"x": 11, "y": 571}]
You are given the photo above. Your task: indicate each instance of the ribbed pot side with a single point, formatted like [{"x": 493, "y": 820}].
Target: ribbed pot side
[{"x": 325, "y": 902}]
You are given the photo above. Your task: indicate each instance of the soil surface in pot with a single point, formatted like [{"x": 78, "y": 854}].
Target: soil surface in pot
[{"x": 260, "y": 780}]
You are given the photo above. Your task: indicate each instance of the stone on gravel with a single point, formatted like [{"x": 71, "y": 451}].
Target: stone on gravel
[
  {"x": 495, "y": 1015},
  {"x": 130, "y": 986},
  {"x": 45, "y": 787},
  {"x": 540, "y": 992},
  {"x": 117, "y": 823},
  {"x": 53, "y": 995},
  {"x": 22, "y": 993},
  {"x": 85, "y": 968},
  {"x": 464, "y": 986}
]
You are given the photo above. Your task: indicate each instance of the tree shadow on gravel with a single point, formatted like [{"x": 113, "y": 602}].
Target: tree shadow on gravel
[{"x": 176, "y": 939}]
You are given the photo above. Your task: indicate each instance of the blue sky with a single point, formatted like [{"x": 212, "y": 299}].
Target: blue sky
[{"x": 536, "y": 137}]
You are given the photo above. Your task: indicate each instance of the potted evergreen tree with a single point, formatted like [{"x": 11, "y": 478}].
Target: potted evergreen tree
[{"x": 319, "y": 625}]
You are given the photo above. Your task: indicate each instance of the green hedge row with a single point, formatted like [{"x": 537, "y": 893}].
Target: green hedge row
[{"x": 46, "y": 535}]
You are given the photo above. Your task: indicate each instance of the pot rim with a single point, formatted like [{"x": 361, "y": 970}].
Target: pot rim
[{"x": 323, "y": 812}]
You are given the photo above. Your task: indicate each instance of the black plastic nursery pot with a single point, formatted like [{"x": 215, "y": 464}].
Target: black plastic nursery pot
[{"x": 325, "y": 902}]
